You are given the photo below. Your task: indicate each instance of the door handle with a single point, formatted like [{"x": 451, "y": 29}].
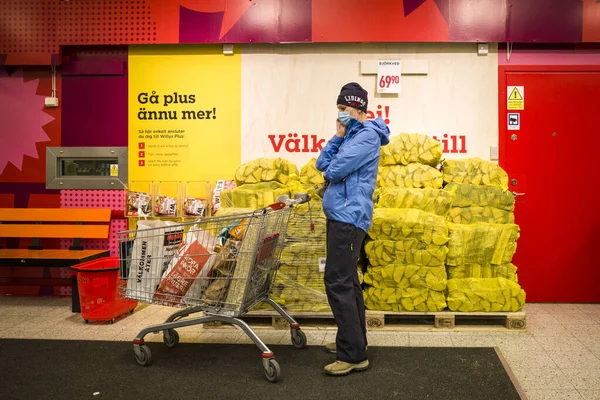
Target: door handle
[{"x": 518, "y": 194}]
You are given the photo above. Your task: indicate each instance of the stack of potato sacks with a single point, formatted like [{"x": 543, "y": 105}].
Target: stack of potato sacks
[
  {"x": 407, "y": 244},
  {"x": 483, "y": 238},
  {"x": 299, "y": 285},
  {"x": 259, "y": 183}
]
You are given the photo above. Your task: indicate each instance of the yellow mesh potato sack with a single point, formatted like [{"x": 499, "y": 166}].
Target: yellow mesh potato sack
[
  {"x": 405, "y": 276},
  {"x": 487, "y": 294},
  {"x": 408, "y": 251},
  {"x": 430, "y": 200},
  {"x": 309, "y": 174},
  {"x": 475, "y": 171},
  {"x": 266, "y": 170},
  {"x": 299, "y": 228},
  {"x": 404, "y": 223},
  {"x": 408, "y": 148},
  {"x": 223, "y": 212},
  {"x": 253, "y": 196},
  {"x": 467, "y": 195},
  {"x": 409, "y": 176},
  {"x": 482, "y": 243},
  {"x": 242, "y": 265},
  {"x": 314, "y": 206},
  {"x": 301, "y": 253},
  {"x": 410, "y": 299},
  {"x": 305, "y": 275},
  {"x": 506, "y": 271},
  {"x": 473, "y": 215},
  {"x": 296, "y": 297}
]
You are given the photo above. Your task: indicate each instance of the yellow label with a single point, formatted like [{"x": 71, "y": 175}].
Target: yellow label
[
  {"x": 516, "y": 99},
  {"x": 114, "y": 170},
  {"x": 184, "y": 113}
]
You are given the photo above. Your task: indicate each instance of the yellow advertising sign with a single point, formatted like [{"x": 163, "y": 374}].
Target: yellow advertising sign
[{"x": 184, "y": 113}]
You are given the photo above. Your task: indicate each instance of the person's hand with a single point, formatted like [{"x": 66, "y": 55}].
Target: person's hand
[{"x": 341, "y": 129}]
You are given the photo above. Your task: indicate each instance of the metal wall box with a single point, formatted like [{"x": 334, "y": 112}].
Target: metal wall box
[{"x": 86, "y": 168}]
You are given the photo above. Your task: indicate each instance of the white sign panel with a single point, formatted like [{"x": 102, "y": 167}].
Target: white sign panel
[
  {"x": 388, "y": 76},
  {"x": 322, "y": 261},
  {"x": 514, "y": 121}
]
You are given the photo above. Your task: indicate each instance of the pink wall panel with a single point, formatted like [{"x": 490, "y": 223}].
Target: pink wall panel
[
  {"x": 551, "y": 55},
  {"x": 113, "y": 199}
]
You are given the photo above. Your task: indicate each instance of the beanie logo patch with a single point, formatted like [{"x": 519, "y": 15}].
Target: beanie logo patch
[{"x": 355, "y": 101}]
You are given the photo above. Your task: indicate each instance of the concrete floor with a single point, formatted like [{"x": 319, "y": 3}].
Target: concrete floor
[{"x": 557, "y": 358}]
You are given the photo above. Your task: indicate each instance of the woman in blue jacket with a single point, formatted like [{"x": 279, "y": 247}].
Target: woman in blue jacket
[{"x": 349, "y": 163}]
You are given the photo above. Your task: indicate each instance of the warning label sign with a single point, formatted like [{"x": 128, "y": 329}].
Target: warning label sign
[
  {"x": 516, "y": 97},
  {"x": 114, "y": 169}
]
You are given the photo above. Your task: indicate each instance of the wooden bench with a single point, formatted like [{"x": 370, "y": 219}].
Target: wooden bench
[{"x": 52, "y": 223}]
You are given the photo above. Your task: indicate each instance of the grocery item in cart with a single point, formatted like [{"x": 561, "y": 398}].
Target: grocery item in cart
[
  {"x": 189, "y": 268},
  {"x": 222, "y": 269},
  {"x": 194, "y": 206},
  {"x": 151, "y": 254},
  {"x": 165, "y": 205},
  {"x": 138, "y": 204},
  {"x": 236, "y": 231}
]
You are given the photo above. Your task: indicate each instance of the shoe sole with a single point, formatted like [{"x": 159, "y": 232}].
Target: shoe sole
[{"x": 347, "y": 372}]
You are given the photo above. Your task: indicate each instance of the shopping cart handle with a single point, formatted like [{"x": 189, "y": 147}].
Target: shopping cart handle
[
  {"x": 302, "y": 198},
  {"x": 284, "y": 200}
]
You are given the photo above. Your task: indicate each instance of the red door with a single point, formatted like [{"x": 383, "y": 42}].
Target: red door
[{"x": 554, "y": 160}]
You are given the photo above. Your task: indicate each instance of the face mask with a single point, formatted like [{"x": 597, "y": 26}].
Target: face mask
[{"x": 344, "y": 117}]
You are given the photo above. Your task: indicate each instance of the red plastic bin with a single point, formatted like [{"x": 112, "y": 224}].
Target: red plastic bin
[{"x": 98, "y": 283}]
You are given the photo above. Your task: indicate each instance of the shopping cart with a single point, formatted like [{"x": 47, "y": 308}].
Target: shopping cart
[{"x": 221, "y": 266}]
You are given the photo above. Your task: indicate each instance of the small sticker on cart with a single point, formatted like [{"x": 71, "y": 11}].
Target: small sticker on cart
[{"x": 322, "y": 264}]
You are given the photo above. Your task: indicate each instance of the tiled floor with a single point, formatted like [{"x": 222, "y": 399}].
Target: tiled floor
[{"x": 557, "y": 358}]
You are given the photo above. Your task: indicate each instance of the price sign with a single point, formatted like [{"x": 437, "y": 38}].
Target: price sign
[{"x": 388, "y": 76}]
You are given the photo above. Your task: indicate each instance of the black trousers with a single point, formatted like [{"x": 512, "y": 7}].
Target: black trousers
[{"x": 344, "y": 292}]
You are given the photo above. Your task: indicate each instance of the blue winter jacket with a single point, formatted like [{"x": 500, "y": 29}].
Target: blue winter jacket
[{"x": 350, "y": 166}]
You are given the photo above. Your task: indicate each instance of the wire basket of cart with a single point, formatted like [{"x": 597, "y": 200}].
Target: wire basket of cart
[{"x": 219, "y": 266}]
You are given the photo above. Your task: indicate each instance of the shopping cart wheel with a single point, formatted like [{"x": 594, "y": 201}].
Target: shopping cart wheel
[
  {"x": 273, "y": 372},
  {"x": 298, "y": 338},
  {"x": 144, "y": 357},
  {"x": 171, "y": 338}
]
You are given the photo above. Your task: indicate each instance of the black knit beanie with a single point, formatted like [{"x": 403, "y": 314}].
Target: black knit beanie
[{"x": 353, "y": 95}]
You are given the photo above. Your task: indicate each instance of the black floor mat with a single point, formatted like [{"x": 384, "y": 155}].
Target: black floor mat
[{"x": 57, "y": 369}]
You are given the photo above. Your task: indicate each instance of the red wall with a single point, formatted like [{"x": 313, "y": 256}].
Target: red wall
[{"x": 92, "y": 112}]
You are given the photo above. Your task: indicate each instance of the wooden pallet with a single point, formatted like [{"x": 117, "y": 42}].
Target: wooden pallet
[
  {"x": 448, "y": 319},
  {"x": 397, "y": 321}
]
